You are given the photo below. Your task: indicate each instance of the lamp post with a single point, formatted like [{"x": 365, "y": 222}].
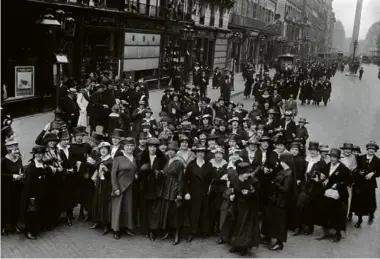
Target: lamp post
[
  {"x": 234, "y": 37},
  {"x": 187, "y": 34},
  {"x": 52, "y": 24},
  {"x": 353, "y": 57}
]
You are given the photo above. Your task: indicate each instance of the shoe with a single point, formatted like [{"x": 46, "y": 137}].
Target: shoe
[
  {"x": 359, "y": 223},
  {"x": 243, "y": 252},
  {"x": 325, "y": 236},
  {"x": 106, "y": 230},
  {"x": 17, "y": 229},
  {"x": 189, "y": 238},
  {"x": 30, "y": 236},
  {"x": 85, "y": 219},
  {"x": 370, "y": 219},
  {"x": 220, "y": 241},
  {"x": 308, "y": 232},
  {"x": 297, "y": 233},
  {"x": 337, "y": 238},
  {"x": 166, "y": 236},
  {"x": 232, "y": 250},
  {"x": 4, "y": 232},
  {"x": 93, "y": 226},
  {"x": 277, "y": 247},
  {"x": 129, "y": 233},
  {"x": 349, "y": 217},
  {"x": 265, "y": 241},
  {"x": 69, "y": 223},
  {"x": 151, "y": 236},
  {"x": 176, "y": 238},
  {"x": 116, "y": 235}
]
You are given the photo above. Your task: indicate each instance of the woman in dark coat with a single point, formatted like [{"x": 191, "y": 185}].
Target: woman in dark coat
[
  {"x": 12, "y": 174},
  {"x": 171, "y": 194},
  {"x": 123, "y": 175},
  {"x": 335, "y": 201},
  {"x": 101, "y": 205},
  {"x": 364, "y": 189},
  {"x": 217, "y": 78},
  {"x": 274, "y": 223},
  {"x": 218, "y": 186},
  {"x": 246, "y": 232},
  {"x": 35, "y": 205},
  {"x": 150, "y": 164},
  {"x": 197, "y": 180}
]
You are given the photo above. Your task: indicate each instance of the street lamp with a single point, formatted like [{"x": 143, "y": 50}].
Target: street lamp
[
  {"x": 353, "y": 57},
  {"x": 235, "y": 37},
  {"x": 187, "y": 34}
]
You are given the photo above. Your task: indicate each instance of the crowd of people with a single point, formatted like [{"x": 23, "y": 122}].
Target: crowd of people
[{"x": 199, "y": 168}]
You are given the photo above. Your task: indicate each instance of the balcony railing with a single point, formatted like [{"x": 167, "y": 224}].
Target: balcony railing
[
  {"x": 243, "y": 21},
  {"x": 125, "y": 6}
]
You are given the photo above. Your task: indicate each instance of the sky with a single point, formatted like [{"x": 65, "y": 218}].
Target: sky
[{"x": 345, "y": 12}]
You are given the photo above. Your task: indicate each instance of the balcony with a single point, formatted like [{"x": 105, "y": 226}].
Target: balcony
[{"x": 242, "y": 21}]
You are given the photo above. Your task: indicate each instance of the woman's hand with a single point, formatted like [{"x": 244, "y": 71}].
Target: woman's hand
[
  {"x": 244, "y": 192},
  {"x": 117, "y": 192},
  {"x": 232, "y": 197},
  {"x": 187, "y": 196},
  {"x": 369, "y": 176}
]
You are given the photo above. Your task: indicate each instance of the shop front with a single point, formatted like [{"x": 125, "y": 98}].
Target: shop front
[
  {"x": 221, "y": 50},
  {"x": 204, "y": 48}
]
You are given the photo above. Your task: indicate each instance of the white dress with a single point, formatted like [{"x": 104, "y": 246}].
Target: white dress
[{"x": 82, "y": 103}]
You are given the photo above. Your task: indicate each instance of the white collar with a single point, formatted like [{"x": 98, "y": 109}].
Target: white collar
[
  {"x": 59, "y": 146},
  {"x": 9, "y": 157},
  {"x": 38, "y": 164}
]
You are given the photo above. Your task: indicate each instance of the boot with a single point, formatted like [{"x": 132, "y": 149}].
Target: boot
[
  {"x": 277, "y": 246},
  {"x": 359, "y": 223},
  {"x": 93, "y": 226},
  {"x": 166, "y": 236},
  {"x": 370, "y": 219},
  {"x": 176, "y": 237},
  {"x": 337, "y": 237},
  {"x": 151, "y": 236},
  {"x": 4, "y": 232},
  {"x": 106, "y": 230}
]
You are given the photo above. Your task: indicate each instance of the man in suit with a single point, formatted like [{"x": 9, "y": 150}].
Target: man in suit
[
  {"x": 288, "y": 125},
  {"x": 98, "y": 114},
  {"x": 70, "y": 108},
  {"x": 225, "y": 90}
]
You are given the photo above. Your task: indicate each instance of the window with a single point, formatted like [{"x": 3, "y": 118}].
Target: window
[
  {"x": 212, "y": 17},
  {"x": 255, "y": 10},
  {"x": 221, "y": 15},
  {"x": 202, "y": 15}
]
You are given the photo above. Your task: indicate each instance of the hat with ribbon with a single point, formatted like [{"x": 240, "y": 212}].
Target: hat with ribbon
[
  {"x": 372, "y": 145},
  {"x": 303, "y": 120},
  {"x": 51, "y": 137},
  {"x": 80, "y": 130},
  {"x": 335, "y": 152},
  {"x": 153, "y": 142},
  {"x": 173, "y": 145},
  {"x": 104, "y": 144},
  {"x": 129, "y": 141},
  {"x": 64, "y": 134},
  {"x": 347, "y": 146},
  {"x": 324, "y": 148},
  {"x": 117, "y": 133},
  {"x": 10, "y": 145},
  {"x": 38, "y": 149},
  {"x": 313, "y": 145}
]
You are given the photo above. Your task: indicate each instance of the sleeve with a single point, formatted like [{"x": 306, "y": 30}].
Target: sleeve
[
  {"x": 4, "y": 172},
  {"x": 285, "y": 186},
  {"x": 40, "y": 138},
  {"x": 181, "y": 179},
  {"x": 115, "y": 168},
  {"x": 80, "y": 101},
  {"x": 186, "y": 179}
]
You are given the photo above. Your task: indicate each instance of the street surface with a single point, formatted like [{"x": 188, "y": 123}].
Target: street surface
[{"x": 353, "y": 115}]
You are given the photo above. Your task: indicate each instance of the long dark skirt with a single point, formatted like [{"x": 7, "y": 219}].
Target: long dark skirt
[
  {"x": 304, "y": 210},
  {"x": 334, "y": 214},
  {"x": 247, "y": 231},
  {"x": 274, "y": 223},
  {"x": 123, "y": 211},
  {"x": 151, "y": 214},
  {"x": 69, "y": 193},
  {"x": 171, "y": 216},
  {"x": 101, "y": 204},
  {"x": 215, "y": 205},
  {"x": 363, "y": 201}
]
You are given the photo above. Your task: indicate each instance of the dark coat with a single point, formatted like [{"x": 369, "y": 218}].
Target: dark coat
[
  {"x": 290, "y": 129},
  {"x": 197, "y": 182},
  {"x": 70, "y": 109},
  {"x": 256, "y": 162}
]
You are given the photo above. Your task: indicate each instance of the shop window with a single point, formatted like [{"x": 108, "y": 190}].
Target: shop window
[
  {"x": 221, "y": 15},
  {"x": 212, "y": 17},
  {"x": 255, "y": 10}
]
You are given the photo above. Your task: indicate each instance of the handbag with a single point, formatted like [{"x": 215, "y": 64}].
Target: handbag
[{"x": 332, "y": 193}]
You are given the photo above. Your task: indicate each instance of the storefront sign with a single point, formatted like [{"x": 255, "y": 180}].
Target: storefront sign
[
  {"x": 100, "y": 21},
  {"x": 205, "y": 34},
  {"x": 24, "y": 81}
]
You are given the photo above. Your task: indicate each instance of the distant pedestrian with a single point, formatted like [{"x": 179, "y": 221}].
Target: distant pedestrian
[{"x": 361, "y": 71}]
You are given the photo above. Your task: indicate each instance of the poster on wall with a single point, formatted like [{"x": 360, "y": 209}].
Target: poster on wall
[{"x": 24, "y": 81}]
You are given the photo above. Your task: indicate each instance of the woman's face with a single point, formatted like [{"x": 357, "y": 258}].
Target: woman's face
[
  {"x": 205, "y": 121},
  {"x": 245, "y": 176},
  {"x": 163, "y": 148},
  {"x": 264, "y": 145},
  {"x": 334, "y": 159},
  {"x": 175, "y": 98},
  {"x": 129, "y": 148},
  {"x": 260, "y": 132},
  {"x": 65, "y": 142},
  {"x": 200, "y": 154},
  {"x": 78, "y": 139},
  {"x": 184, "y": 145},
  {"x": 211, "y": 143},
  {"x": 152, "y": 149},
  {"x": 313, "y": 152},
  {"x": 347, "y": 152},
  {"x": 104, "y": 151},
  {"x": 171, "y": 153},
  {"x": 222, "y": 128},
  {"x": 115, "y": 141},
  {"x": 52, "y": 144},
  {"x": 148, "y": 115},
  {"x": 142, "y": 141},
  {"x": 218, "y": 156},
  {"x": 38, "y": 156},
  {"x": 294, "y": 151},
  {"x": 280, "y": 148}
]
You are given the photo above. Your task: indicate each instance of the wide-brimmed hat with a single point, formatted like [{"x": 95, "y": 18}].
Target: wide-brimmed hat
[
  {"x": 281, "y": 140},
  {"x": 10, "y": 145},
  {"x": 153, "y": 142},
  {"x": 38, "y": 149},
  {"x": 372, "y": 145},
  {"x": 303, "y": 120},
  {"x": 288, "y": 113},
  {"x": 183, "y": 138},
  {"x": 233, "y": 119},
  {"x": 243, "y": 167},
  {"x": 104, "y": 144},
  {"x": 294, "y": 145},
  {"x": 347, "y": 146},
  {"x": 233, "y": 136},
  {"x": 173, "y": 145},
  {"x": 313, "y": 145},
  {"x": 212, "y": 136},
  {"x": 148, "y": 110},
  {"x": 335, "y": 152},
  {"x": 199, "y": 148},
  {"x": 324, "y": 148},
  {"x": 206, "y": 116},
  {"x": 80, "y": 130},
  {"x": 72, "y": 91},
  {"x": 272, "y": 111},
  {"x": 51, "y": 137},
  {"x": 265, "y": 138},
  {"x": 129, "y": 141},
  {"x": 143, "y": 135},
  {"x": 218, "y": 149},
  {"x": 145, "y": 125},
  {"x": 64, "y": 134},
  {"x": 117, "y": 133},
  {"x": 357, "y": 148},
  {"x": 253, "y": 141}
]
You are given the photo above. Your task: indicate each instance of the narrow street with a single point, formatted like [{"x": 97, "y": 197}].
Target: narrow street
[{"x": 352, "y": 115}]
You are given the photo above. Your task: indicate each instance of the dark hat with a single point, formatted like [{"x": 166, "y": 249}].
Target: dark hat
[
  {"x": 80, "y": 130},
  {"x": 183, "y": 138},
  {"x": 206, "y": 100},
  {"x": 243, "y": 167},
  {"x": 212, "y": 136},
  {"x": 233, "y": 136},
  {"x": 64, "y": 134},
  {"x": 357, "y": 148},
  {"x": 233, "y": 104},
  {"x": 173, "y": 145},
  {"x": 294, "y": 145},
  {"x": 129, "y": 141},
  {"x": 153, "y": 142},
  {"x": 265, "y": 138},
  {"x": 260, "y": 126},
  {"x": 335, "y": 152},
  {"x": 145, "y": 125},
  {"x": 253, "y": 141},
  {"x": 51, "y": 137},
  {"x": 117, "y": 133},
  {"x": 148, "y": 110},
  {"x": 281, "y": 140},
  {"x": 347, "y": 146},
  {"x": 372, "y": 145},
  {"x": 163, "y": 141},
  {"x": 143, "y": 135},
  {"x": 313, "y": 145},
  {"x": 303, "y": 120},
  {"x": 38, "y": 149},
  {"x": 11, "y": 145},
  {"x": 166, "y": 119},
  {"x": 199, "y": 148},
  {"x": 98, "y": 136},
  {"x": 324, "y": 148}
]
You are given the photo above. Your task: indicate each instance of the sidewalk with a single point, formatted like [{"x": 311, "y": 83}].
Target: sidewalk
[{"x": 27, "y": 128}]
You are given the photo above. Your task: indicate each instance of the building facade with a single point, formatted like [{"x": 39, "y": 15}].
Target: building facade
[
  {"x": 371, "y": 39},
  {"x": 339, "y": 37}
]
